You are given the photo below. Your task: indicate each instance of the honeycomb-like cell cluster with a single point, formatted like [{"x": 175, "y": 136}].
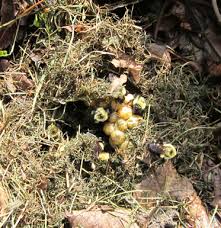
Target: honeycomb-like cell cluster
[{"x": 123, "y": 118}]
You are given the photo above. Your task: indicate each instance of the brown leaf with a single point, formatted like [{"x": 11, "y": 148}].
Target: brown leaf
[
  {"x": 77, "y": 28},
  {"x": 22, "y": 6},
  {"x": 116, "y": 83},
  {"x": 18, "y": 81},
  {"x": 96, "y": 217},
  {"x": 70, "y": 28},
  {"x": 161, "y": 53},
  {"x": 166, "y": 181},
  {"x": 4, "y": 64},
  {"x": 39, "y": 56},
  {"x": 185, "y": 25},
  {"x": 10, "y": 84},
  {"x": 43, "y": 184},
  {"x": 126, "y": 62},
  {"x": 135, "y": 70},
  {"x": 36, "y": 58},
  {"x": 23, "y": 83}
]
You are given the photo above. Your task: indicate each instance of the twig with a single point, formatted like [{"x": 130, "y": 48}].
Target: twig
[
  {"x": 216, "y": 10},
  {"x": 25, "y": 13},
  {"x": 38, "y": 89},
  {"x": 29, "y": 9},
  {"x": 159, "y": 19},
  {"x": 212, "y": 219},
  {"x": 70, "y": 44},
  {"x": 146, "y": 127},
  {"x": 41, "y": 196},
  {"x": 122, "y": 4}
]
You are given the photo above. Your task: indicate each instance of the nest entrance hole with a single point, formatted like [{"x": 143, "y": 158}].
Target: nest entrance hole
[{"x": 73, "y": 117}]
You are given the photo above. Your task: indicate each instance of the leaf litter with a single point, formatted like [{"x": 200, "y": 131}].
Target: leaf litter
[
  {"x": 99, "y": 217},
  {"x": 71, "y": 65},
  {"x": 164, "y": 180}
]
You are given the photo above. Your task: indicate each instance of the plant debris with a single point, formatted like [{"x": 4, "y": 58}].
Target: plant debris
[
  {"x": 127, "y": 62},
  {"x": 117, "y": 83},
  {"x": 160, "y": 52},
  {"x": 18, "y": 82},
  {"x": 102, "y": 217},
  {"x": 165, "y": 180},
  {"x": 69, "y": 70}
]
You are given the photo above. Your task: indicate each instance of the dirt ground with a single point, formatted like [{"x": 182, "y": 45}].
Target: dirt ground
[{"x": 110, "y": 114}]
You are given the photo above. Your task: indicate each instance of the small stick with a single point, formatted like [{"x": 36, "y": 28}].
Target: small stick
[
  {"x": 159, "y": 19},
  {"x": 38, "y": 90},
  {"x": 31, "y": 8},
  {"x": 146, "y": 127},
  {"x": 25, "y": 13},
  {"x": 216, "y": 10},
  {"x": 122, "y": 4}
]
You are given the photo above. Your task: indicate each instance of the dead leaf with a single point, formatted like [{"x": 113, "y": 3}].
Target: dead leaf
[
  {"x": 21, "y": 6},
  {"x": 161, "y": 53},
  {"x": 117, "y": 83},
  {"x": 3, "y": 200},
  {"x": 9, "y": 10},
  {"x": 10, "y": 84},
  {"x": 76, "y": 28},
  {"x": 166, "y": 181},
  {"x": 4, "y": 64},
  {"x": 70, "y": 28},
  {"x": 96, "y": 217},
  {"x": 43, "y": 184},
  {"x": 126, "y": 62},
  {"x": 36, "y": 58},
  {"x": 18, "y": 82},
  {"x": 23, "y": 83}
]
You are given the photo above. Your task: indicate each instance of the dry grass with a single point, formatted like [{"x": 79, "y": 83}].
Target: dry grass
[{"x": 46, "y": 174}]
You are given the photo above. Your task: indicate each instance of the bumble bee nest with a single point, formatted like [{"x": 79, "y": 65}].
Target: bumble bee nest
[{"x": 124, "y": 115}]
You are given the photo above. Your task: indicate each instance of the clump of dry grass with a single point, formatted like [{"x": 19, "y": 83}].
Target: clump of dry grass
[
  {"x": 46, "y": 175},
  {"x": 180, "y": 117},
  {"x": 78, "y": 66},
  {"x": 43, "y": 174}
]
